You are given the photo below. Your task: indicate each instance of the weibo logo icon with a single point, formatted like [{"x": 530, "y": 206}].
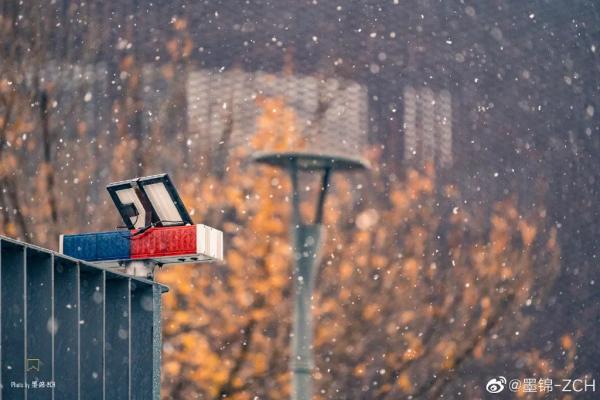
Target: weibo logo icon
[{"x": 496, "y": 385}]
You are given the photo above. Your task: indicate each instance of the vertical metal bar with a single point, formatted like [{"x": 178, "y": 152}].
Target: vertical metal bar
[
  {"x": 117, "y": 337},
  {"x": 25, "y": 320},
  {"x": 104, "y": 335},
  {"x": 129, "y": 338},
  {"x": 53, "y": 325},
  {"x": 156, "y": 340},
  {"x": 39, "y": 324},
  {"x": 1, "y": 330},
  {"x": 91, "y": 333},
  {"x": 142, "y": 336},
  {"x": 78, "y": 283},
  {"x": 13, "y": 314},
  {"x": 66, "y": 346}
]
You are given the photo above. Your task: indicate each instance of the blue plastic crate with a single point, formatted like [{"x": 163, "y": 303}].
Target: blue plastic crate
[{"x": 99, "y": 246}]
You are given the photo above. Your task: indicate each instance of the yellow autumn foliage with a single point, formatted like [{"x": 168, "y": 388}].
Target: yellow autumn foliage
[{"x": 405, "y": 290}]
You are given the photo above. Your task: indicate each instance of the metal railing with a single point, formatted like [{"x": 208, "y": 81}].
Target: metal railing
[{"x": 72, "y": 330}]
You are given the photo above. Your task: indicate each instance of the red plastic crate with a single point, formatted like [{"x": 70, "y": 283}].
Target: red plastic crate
[{"x": 163, "y": 242}]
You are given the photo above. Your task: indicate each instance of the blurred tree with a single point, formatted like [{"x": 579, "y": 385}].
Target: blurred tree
[{"x": 413, "y": 288}]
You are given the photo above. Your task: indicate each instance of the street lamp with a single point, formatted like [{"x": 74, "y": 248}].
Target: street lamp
[{"x": 307, "y": 240}]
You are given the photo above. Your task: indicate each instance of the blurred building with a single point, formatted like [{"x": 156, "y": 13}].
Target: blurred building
[
  {"x": 427, "y": 126},
  {"x": 223, "y": 108}
]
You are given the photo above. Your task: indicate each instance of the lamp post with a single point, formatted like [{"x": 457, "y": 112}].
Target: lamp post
[{"x": 307, "y": 239}]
